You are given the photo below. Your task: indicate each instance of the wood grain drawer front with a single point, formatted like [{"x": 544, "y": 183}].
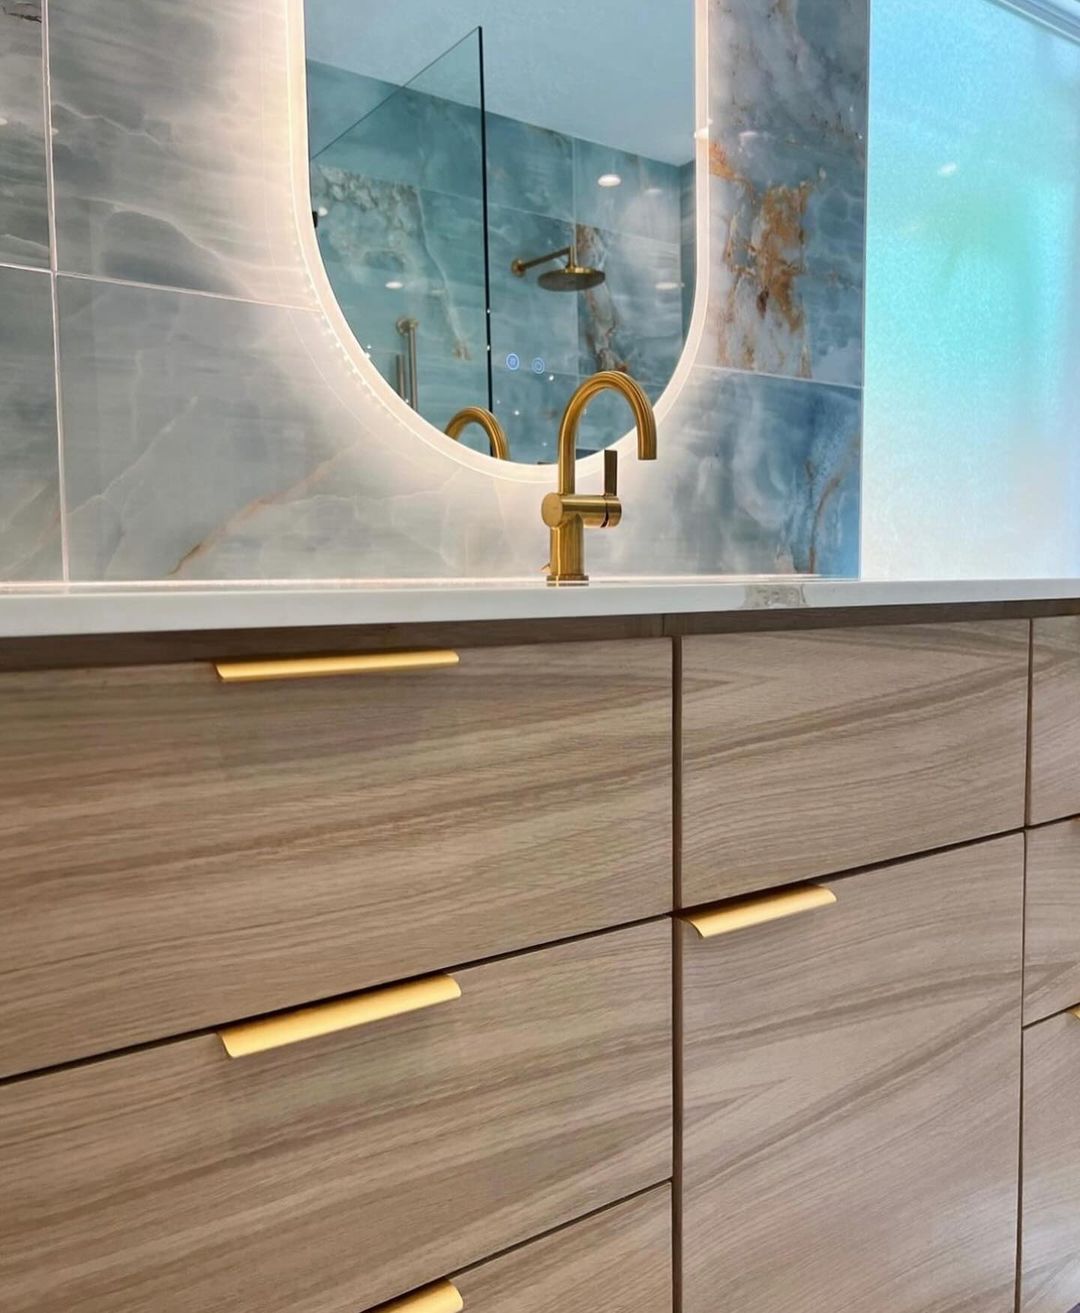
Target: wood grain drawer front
[
  {"x": 806, "y": 753},
  {"x": 851, "y": 1080},
  {"x": 1050, "y": 1253},
  {"x": 175, "y": 852},
  {"x": 1052, "y": 937},
  {"x": 1055, "y": 719},
  {"x": 616, "y": 1262},
  {"x": 331, "y": 1175}
]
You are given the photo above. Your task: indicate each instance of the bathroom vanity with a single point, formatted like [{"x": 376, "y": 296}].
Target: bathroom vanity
[{"x": 651, "y": 962}]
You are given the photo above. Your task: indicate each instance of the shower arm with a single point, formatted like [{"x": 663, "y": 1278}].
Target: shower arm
[{"x": 521, "y": 267}]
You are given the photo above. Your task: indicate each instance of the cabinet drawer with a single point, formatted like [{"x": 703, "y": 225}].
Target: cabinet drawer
[
  {"x": 1052, "y": 936},
  {"x": 332, "y": 1174},
  {"x": 177, "y": 851},
  {"x": 805, "y": 753},
  {"x": 851, "y": 1080},
  {"x": 1055, "y": 719},
  {"x": 1050, "y": 1255},
  {"x": 616, "y": 1262}
]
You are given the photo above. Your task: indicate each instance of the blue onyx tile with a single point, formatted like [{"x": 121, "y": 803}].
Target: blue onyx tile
[
  {"x": 795, "y": 71},
  {"x": 376, "y": 233},
  {"x": 417, "y": 140},
  {"x": 526, "y": 319},
  {"x": 788, "y": 257},
  {"x": 633, "y": 321},
  {"x": 529, "y": 168},
  {"x": 24, "y": 212},
  {"x": 646, "y": 202},
  {"x": 30, "y": 483},
  {"x": 337, "y": 100},
  {"x": 529, "y": 406},
  {"x": 755, "y": 475}
]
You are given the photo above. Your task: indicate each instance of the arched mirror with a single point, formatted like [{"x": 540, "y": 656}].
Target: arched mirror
[{"x": 503, "y": 196}]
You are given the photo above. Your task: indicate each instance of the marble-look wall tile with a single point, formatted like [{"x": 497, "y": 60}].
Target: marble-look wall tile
[
  {"x": 756, "y": 475},
  {"x": 29, "y": 482},
  {"x": 529, "y": 168},
  {"x": 24, "y": 209},
  {"x": 215, "y": 439},
  {"x": 169, "y": 168},
  {"x": 646, "y": 201},
  {"x": 633, "y": 320},
  {"x": 527, "y": 320},
  {"x": 788, "y": 187}
]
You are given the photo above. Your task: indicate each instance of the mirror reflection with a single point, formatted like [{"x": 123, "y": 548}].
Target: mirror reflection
[{"x": 504, "y": 201}]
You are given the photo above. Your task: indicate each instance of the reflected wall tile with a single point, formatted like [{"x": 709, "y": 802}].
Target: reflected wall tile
[
  {"x": 29, "y": 486},
  {"x": 633, "y": 321},
  {"x": 446, "y": 386},
  {"x": 215, "y": 439},
  {"x": 415, "y": 138},
  {"x": 337, "y": 100},
  {"x": 529, "y": 406},
  {"x": 527, "y": 320},
  {"x": 645, "y": 202},
  {"x": 392, "y": 250},
  {"x": 757, "y": 475},
  {"x": 24, "y": 208},
  {"x": 169, "y": 149},
  {"x": 529, "y": 168}
]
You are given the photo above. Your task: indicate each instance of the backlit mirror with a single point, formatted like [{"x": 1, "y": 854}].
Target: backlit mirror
[{"x": 503, "y": 196}]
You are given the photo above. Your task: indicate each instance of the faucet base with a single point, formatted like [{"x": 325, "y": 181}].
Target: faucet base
[{"x": 567, "y": 580}]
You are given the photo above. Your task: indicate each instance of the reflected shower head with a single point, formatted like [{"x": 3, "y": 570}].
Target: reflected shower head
[{"x": 572, "y": 277}]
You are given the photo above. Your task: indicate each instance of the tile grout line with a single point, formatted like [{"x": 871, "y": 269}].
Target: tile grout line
[
  {"x": 186, "y": 291},
  {"x": 50, "y": 189}
]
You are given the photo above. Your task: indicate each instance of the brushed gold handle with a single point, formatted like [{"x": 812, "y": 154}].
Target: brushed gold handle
[
  {"x": 745, "y": 912},
  {"x": 343, "y": 1014},
  {"x": 364, "y": 663},
  {"x": 442, "y": 1297}
]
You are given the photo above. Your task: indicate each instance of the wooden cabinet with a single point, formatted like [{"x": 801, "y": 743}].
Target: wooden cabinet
[
  {"x": 851, "y": 1083},
  {"x": 616, "y": 1262},
  {"x": 1052, "y": 931},
  {"x": 1050, "y": 1252},
  {"x": 178, "y": 852},
  {"x": 1055, "y": 719},
  {"x": 813, "y": 752},
  {"x": 330, "y": 1175}
]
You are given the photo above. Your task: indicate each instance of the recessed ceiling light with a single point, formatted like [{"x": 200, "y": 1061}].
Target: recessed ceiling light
[
  {"x": 394, "y": 285},
  {"x": 609, "y": 180},
  {"x": 668, "y": 287},
  {"x": 322, "y": 211},
  {"x": 947, "y": 170},
  {"x": 3, "y": 122}
]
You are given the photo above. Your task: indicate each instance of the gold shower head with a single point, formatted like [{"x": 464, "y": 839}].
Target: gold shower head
[{"x": 572, "y": 277}]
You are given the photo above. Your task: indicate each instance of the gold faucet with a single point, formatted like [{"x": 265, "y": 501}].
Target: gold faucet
[
  {"x": 566, "y": 512},
  {"x": 496, "y": 434}
]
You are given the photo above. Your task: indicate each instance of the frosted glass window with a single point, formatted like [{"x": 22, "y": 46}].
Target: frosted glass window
[{"x": 972, "y": 423}]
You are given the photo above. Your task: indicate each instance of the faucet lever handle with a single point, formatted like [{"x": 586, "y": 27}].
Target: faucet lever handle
[{"x": 611, "y": 472}]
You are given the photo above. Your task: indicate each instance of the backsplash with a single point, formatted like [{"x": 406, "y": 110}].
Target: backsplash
[{"x": 210, "y": 423}]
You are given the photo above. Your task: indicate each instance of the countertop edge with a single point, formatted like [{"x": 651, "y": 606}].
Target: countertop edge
[{"x": 78, "y": 611}]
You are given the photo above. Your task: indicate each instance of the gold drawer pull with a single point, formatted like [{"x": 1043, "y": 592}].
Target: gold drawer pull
[
  {"x": 364, "y": 663},
  {"x": 746, "y": 912},
  {"x": 442, "y": 1297},
  {"x": 343, "y": 1014}
]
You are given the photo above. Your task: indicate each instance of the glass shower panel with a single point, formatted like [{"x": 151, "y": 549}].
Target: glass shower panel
[
  {"x": 398, "y": 197},
  {"x": 972, "y": 440}
]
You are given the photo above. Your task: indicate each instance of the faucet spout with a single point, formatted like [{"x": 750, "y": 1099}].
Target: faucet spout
[
  {"x": 565, "y": 512},
  {"x": 496, "y": 434}
]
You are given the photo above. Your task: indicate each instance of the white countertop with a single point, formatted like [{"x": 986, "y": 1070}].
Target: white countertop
[{"x": 114, "y": 609}]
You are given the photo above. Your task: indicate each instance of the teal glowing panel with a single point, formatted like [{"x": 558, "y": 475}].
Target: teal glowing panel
[{"x": 971, "y": 454}]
